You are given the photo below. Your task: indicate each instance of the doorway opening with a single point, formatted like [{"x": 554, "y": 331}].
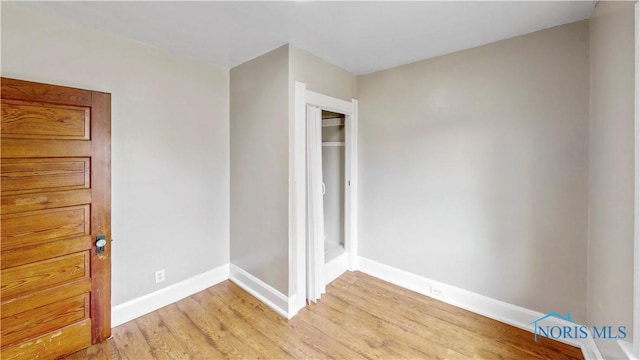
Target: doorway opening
[
  {"x": 324, "y": 193},
  {"x": 334, "y": 183}
]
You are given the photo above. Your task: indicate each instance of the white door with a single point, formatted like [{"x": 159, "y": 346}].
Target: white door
[{"x": 315, "y": 217}]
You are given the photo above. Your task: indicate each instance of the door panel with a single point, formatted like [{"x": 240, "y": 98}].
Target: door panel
[
  {"x": 26, "y": 279},
  {"x": 52, "y": 249},
  {"x": 41, "y": 298},
  {"x": 34, "y": 227},
  {"x": 29, "y": 120},
  {"x": 21, "y": 148},
  {"x": 53, "y": 344},
  {"x": 37, "y": 175},
  {"x": 55, "y": 187},
  {"x": 42, "y": 201},
  {"x": 44, "y": 319},
  {"x": 13, "y": 89}
]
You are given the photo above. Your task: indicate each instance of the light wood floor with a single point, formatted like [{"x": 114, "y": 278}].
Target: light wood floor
[{"x": 359, "y": 317}]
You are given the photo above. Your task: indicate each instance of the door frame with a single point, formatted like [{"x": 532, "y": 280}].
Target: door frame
[
  {"x": 101, "y": 215},
  {"x": 297, "y": 183},
  {"x": 636, "y": 235}
]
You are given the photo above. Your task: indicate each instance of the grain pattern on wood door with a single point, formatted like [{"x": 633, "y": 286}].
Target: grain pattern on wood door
[{"x": 55, "y": 288}]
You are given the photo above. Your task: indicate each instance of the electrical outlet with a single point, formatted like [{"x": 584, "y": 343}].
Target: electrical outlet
[
  {"x": 160, "y": 277},
  {"x": 436, "y": 291}
]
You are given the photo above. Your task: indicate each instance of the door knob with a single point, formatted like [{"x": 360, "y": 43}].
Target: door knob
[{"x": 101, "y": 243}]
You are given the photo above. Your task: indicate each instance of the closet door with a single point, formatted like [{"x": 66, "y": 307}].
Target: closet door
[{"x": 315, "y": 217}]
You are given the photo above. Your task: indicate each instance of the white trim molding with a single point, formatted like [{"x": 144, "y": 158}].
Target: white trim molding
[
  {"x": 351, "y": 207},
  {"x": 297, "y": 198},
  {"x": 262, "y": 291},
  {"x": 635, "y": 348},
  {"x": 636, "y": 257},
  {"x": 328, "y": 103},
  {"x": 632, "y": 348},
  {"x": 336, "y": 267},
  {"x": 297, "y": 185},
  {"x": 627, "y": 349},
  {"x": 143, "y": 305},
  {"x": 495, "y": 309}
]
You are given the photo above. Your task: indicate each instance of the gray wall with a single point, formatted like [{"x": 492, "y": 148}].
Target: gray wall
[
  {"x": 333, "y": 199},
  {"x": 262, "y": 100},
  {"x": 321, "y": 76},
  {"x": 473, "y": 169},
  {"x": 260, "y": 167},
  {"x": 611, "y": 169},
  {"x": 170, "y": 157}
]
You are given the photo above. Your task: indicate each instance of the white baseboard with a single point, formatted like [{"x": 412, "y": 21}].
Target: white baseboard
[
  {"x": 627, "y": 349},
  {"x": 590, "y": 350},
  {"x": 135, "y": 308},
  {"x": 498, "y": 310},
  {"x": 261, "y": 290},
  {"x": 336, "y": 267}
]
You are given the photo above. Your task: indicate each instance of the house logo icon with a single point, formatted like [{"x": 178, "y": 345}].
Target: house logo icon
[
  {"x": 552, "y": 314},
  {"x": 565, "y": 328}
]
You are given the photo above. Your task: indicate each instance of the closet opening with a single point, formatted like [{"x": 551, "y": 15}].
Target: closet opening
[
  {"x": 333, "y": 180},
  {"x": 323, "y": 220}
]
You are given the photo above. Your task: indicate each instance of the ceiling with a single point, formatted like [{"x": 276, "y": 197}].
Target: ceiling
[{"x": 360, "y": 36}]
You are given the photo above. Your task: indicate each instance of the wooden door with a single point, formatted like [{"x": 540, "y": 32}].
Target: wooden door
[{"x": 56, "y": 201}]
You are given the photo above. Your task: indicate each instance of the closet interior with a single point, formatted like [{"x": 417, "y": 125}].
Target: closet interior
[{"x": 333, "y": 179}]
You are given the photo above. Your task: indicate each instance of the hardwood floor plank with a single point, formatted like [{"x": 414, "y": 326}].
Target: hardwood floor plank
[
  {"x": 413, "y": 338},
  {"x": 343, "y": 332},
  {"x": 467, "y": 320},
  {"x": 331, "y": 347},
  {"x": 433, "y": 328},
  {"x": 198, "y": 345},
  {"x": 104, "y": 351},
  {"x": 206, "y": 321},
  {"x": 131, "y": 344},
  {"x": 519, "y": 338},
  {"x": 360, "y": 317},
  {"x": 160, "y": 338},
  {"x": 410, "y": 323},
  {"x": 361, "y": 334},
  {"x": 249, "y": 310},
  {"x": 241, "y": 330}
]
